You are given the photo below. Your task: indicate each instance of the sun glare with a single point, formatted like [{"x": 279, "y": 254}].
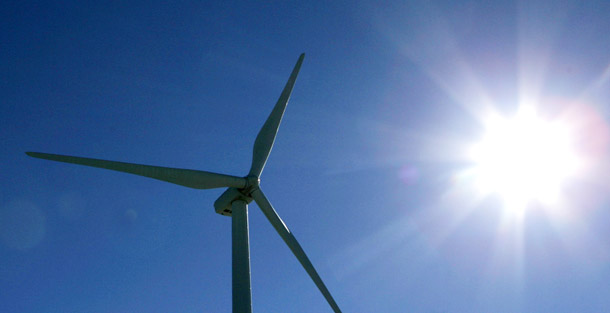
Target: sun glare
[{"x": 524, "y": 159}]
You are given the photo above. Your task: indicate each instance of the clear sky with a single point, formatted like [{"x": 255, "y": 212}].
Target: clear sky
[{"x": 369, "y": 168}]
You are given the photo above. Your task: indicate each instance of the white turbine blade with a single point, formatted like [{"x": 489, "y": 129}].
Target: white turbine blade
[
  {"x": 293, "y": 244},
  {"x": 266, "y": 136},
  {"x": 189, "y": 178}
]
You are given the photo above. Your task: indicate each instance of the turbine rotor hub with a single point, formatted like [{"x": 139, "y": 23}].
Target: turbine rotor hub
[{"x": 252, "y": 183}]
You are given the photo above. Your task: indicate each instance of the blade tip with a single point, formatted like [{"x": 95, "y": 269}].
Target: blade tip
[{"x": 37, "y": 155}]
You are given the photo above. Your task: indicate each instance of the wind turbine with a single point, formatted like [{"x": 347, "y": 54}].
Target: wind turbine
[{"x": 233, "y": 202}]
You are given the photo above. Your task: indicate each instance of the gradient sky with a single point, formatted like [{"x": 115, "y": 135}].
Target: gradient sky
[{"x": 365, "y": 169}]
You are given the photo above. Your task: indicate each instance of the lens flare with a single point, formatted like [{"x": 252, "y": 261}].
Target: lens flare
[{"x": 524, "y": 159}]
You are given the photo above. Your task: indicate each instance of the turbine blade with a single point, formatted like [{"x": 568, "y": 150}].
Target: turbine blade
[
  {"x": 266, "y": 136},
  {"x": 293, "y": 244},
  {"x": 189, "y": 178}
]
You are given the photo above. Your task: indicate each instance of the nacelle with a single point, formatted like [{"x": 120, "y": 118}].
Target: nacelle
[{"x": 223, "y": 203}]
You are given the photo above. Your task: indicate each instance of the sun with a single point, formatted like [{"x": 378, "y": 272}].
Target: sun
[{"x": 524, "y": 158}]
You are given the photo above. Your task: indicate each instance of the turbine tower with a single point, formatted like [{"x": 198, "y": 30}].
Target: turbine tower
[{"x": 233, "y": 202}]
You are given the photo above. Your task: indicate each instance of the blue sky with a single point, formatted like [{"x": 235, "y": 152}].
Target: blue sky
[{"x": 366, "y": 169}]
